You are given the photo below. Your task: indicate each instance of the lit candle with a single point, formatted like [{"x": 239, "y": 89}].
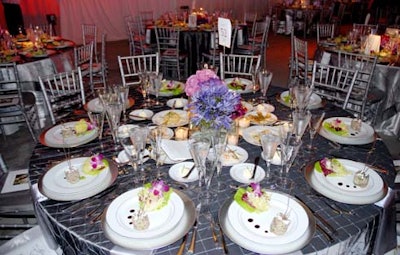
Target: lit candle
[
  {"x": 244, "y": 122},
  {"x": 233, "y": 139},
  {"x": 181, "y": 133}
]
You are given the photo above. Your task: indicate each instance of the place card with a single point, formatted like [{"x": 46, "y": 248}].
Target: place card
[{"x": 224, "y": 32}]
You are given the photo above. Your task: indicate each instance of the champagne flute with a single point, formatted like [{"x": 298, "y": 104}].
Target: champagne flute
[
  {"x": 269, "y": 143},
  {"x": 314, "y": 125},
  {"x": 300, "y": 122},
  {"x": 97, "y": 119},
  {"x": 156, "y": 86},
  {"x": 264, "y": 78},
  {"x": 254, "y": 76},
  {"x": 123, "y": 93},
  {"x": 155, "y": 137},
  {"x": 132, "y": 150},
  {"x": 113, "y": 111}
]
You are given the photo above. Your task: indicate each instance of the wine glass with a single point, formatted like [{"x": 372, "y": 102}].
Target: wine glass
[
  {"x": 114, "y": 111},
  {"x": 289, "y": 148},
  {"x": 302, "y": 93},
  {"x": 123, "y": 93},
  {"x": 97, "y": 119},
  {"x": 132, "y": 149},
  {"x": 314, "y": 125},
  {"x": 300, "y": 122},
  {"x": 156, "y": 86},
  {"x": 140, "y": 133},
  {"x": 155, "y": 137},
  {"x": 264, "y": 78},
  {"x": 269, "y": 143},
  {"x": 144, "y": 85}
]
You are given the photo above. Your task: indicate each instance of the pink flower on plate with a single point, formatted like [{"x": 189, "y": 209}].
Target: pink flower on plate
[{"x": 193, "y": 82}]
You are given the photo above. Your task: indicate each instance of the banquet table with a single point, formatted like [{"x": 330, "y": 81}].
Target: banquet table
[
  {"x": 67, "y": 223},
  {"x": 385, "y": 78}
]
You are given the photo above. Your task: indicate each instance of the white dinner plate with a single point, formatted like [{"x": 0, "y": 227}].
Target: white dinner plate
[
  {"x": 271, "y": 248},
  {"x": 177, "y": 102},
  {"x": 178, "y": 170},
  {"x": 53, "y": 138},
  {"x": 315, "y": 100},
  {"x": 342, "y": 189},
  {"x": 141, "y": 114},
  {"x": 167, "y": 133},
  {"x": 170, "y": 88},
  {"x": 256, "y": 226},
  {"x": 54, "y": 185},
  {"x": 233, "y": 155},
  {"x": 364, "y": 136},
  {"x": 119, "y": 215},
  {"x": 246, "y": 82},
  {"x": 258, "y": 118},
  {"x": 176, "y": 233},
  {"x": 253, "y": 134},
  {"x": 163, "y": 118},
  {"x": 242, "y": 173},
  {"x": 95, "y": 105}
]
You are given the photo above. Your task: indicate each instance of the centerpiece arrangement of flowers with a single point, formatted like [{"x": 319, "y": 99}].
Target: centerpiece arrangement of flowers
[{"x": 212, "y": 104}]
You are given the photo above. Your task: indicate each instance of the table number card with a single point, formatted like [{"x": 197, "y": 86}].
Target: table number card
[
  {"x": 372, "y": 44},
  {"x": 224, "y": 32}
]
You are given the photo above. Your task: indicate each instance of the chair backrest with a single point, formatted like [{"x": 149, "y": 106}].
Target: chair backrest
[
  {"x": 10, "y": 87},
  {"x": 146, "y": 18},
  {"x": 167, "y": 40},
  {"x": 333, "y": 83},
  {"x": 83, "y": 55},
  {"x": 250, "y": 18},
  {"x": 135, "y": 36},
  {"x": 325, "y": 31},
  {"x": 89, "y": 34},
  {"x": 63, "y": 93},
  {"x": 363, "y": 29},
  {"x": 300, "y": 57},
  {"x": 232, "y": 65},
  {"x": 132, "y": 66},
  {"x": 365, "y": 65}
]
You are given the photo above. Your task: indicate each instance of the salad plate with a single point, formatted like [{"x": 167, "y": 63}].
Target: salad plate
[
  {"x": 315, "y": 100},
  {"x": 239, "y": 85},
  {"x": 242, "y": 173},
  {"x": 233, "y": 155},
  {"x": 261, "y": 118},
  {"x": 171, "y": 118},
  {"x": 174, "y": 234},
  {"x": 181, "y": 169},
  {"x": 123, "y": 157},
  {"x": 253, "y": 134},
  {"x": 141, "y": 114},
  {"x": 53, "y": 136},
  {"x": 119, "y": 215},
  {"x": 342, "y": 188},
  {"x": 95, "y": 105},
  {"x": 170, "y": 88},
  {"x": 54, "y": 185},
  {"x": 345, "y": 134},
  {"x": 267, "y": 246}
]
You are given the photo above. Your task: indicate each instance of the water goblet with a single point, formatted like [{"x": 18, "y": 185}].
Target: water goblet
[
  {"x": 314, "y": 125},
  {"x": 264, "y": 78},
  {"x": 155, "y": 137},
  {"x": 302, "y": 93},
  {"x": 300, "y": 122},
  {"x": 141, "y": 131},
  {"x": 132, "y": 150},
  {"x": 289, "y": 148},
  {"x": 269, "y": 143}
]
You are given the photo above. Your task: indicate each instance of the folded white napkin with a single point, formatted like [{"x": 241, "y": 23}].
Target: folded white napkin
[
  {"x": 384, "y": 202},
  {"x": 176, "y": 150}
]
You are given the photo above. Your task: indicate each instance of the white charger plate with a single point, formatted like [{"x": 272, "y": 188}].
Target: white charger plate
[
  {"x": 175, "y": 172},
  {"x": 364, "y": 136},
  {"x": 242, "y": 173},
  {"x": 252, "y": 134},
  {"x": 158, "y": 118},
  {"x": 342, "y": 189},
  {"x": 53, "y": 185},
  {"x": 253, "y": 246},
  {"x": 248, "y": 83},
  {"x": 120, "y": 210},
  {"x": 53, "y": 138},
  {"x": 245, "y": 222},
  {"x": 176, "y": 233},
  {"x": 315, "y": 100}
]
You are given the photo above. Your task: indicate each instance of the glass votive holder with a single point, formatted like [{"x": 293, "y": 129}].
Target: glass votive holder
[
  {"x": 181, "y": 133},
  {"x": 243, "y": 122}
]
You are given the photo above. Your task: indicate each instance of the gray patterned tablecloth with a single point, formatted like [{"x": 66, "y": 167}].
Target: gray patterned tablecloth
[{"x": 372, "y": 227}]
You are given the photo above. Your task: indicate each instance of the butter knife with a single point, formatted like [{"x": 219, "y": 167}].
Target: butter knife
[
  {"x": 189, "y": 172},
  {"x": 256, "y": 160}
]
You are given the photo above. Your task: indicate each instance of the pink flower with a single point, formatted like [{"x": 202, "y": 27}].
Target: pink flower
[{"x": 192, "y": 83}]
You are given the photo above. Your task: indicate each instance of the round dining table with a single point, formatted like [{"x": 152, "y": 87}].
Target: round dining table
[{"x": 77, "y": 226}]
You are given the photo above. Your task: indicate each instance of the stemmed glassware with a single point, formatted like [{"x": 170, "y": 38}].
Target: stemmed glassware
[
  {"x": 302, "y": 93},
  {"x": 219, "y": 143},
  {"x": 145, "y": 87},
  {"x": 314, "y": 125},
  {"x": 131, "y": 147},
  {"x": 289, "y": 148},
  {"x": 123, "y": 93},
  {"x": 269, "y": 143},
  {"x": 114, "y": 110},
  {"x": 156, "y": 86},
  {"x": 142, "y": 132},
  {"x": 300, "y": 122},
  {"x": 155, "y": 137},
  {"x": 97, "y": 119},
  {"x": 199, "y": 146},
  {"x": 264, "y": 78},
  {"x": 254, "y": 77}
]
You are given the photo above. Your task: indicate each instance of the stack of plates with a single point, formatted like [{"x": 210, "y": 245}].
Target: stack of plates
[
  {"x": 364, "y": 136},
  {"x": 342, "y": 189},
  {"x": 252, "y": 230},
  {"x": 167, "y": 224},
  {"x": 54, "y": 185}
]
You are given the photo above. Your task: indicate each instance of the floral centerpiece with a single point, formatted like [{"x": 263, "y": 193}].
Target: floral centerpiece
[{"x": 212, "y": 104}]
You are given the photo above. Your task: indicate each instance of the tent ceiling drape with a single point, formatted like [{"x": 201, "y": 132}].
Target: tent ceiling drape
[{"x": 109, "y": 15}]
